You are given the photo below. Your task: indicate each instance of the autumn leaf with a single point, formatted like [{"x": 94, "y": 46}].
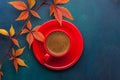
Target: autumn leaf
[
  {"x": 19, "y": 51},
  {"x": 60, "y": 12},
  {"x": 17, "y": 61},
  {"x": 20, "y": 62},
  {"x": 24, "y": 31},
  {"x": 30, "y": 39},
  {"x": 13, "y": 52},
  {"x": 31, "y": 3},
  {"x": 61, "y": 1},
  {"x": 34, "y": 13},
  {"x": 29, "y": 25},
  {"x": 12, "y": 31},
  {"x": 65, "y": 12},
  {"x": 4, "y": 32},
  {"x": 1, "y": 73},
  {"x": 15, "y": 65},
  {"x": 58, "y": 15},
  {"x": 15, "y": 41},
  {"x": 38, "y": 36},
  {"x": 35, "y": 29},
  {"x": 20, "y": 5},
  {"x": 23, "y": 16},
  {"x": 52, "y": 7}
]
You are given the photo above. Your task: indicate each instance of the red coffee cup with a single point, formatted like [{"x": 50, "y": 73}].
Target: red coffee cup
[{"x": 57, "y": 44}]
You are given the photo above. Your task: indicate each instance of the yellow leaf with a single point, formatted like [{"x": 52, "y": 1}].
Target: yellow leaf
[
  {"x": 23, "y": 15},
  {"x": 15, "y": 65},
  {"x": 30, "y": 39},
  {"x": 61, "y": 1},
  {"x": 19, "y": 51},
  {"x": 20, "y": 62},
  {"x": 35, "y": 14},
  {"x": 38, "y": 36},
  {"x": 19, "y": 5},
  {"x": 31, "y": 3},
  {"x": 29, "y": 25},
  {"x": 12, "y": 31},
  {"x": 15, "y": 41},
  {"x": 4, "y": 32}
]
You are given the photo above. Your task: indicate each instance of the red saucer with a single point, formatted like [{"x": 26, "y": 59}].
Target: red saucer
[{"x": 67, "y": 60}]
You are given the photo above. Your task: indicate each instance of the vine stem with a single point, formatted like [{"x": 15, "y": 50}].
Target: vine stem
[{"x": 17, "y": 35}]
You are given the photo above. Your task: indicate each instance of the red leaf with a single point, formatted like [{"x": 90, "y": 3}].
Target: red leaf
[
  {"x": 15, "y": 41},
  {"x": 19, "y": 5},
  {"x": 29, "y": 25},
  {"x": 34, "y": 13},
  {"x": 23, "y": 16},
  {"x": 38, "y": 36},
  {"x": 65, "y": 12},
  {"x": 30, "y": 39},
  {"x": 61, "y": 1}
]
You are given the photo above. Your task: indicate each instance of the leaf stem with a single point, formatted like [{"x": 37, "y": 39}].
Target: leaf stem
[{"x": 17, "y": 35}]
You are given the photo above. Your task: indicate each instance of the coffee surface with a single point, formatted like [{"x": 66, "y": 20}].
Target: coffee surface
[{"x": 57, "y": 42}]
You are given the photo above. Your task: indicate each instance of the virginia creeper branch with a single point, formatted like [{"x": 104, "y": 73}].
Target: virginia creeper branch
[{"x": 17, "y": 35}]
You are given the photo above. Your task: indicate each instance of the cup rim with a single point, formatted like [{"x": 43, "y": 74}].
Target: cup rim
[{"x": 54, "y": 55}]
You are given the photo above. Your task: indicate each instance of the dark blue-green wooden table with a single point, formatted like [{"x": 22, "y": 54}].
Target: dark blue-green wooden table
[{"x": 99, "y": 23}]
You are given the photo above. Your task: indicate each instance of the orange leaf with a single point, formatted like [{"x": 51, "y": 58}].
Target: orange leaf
[
  {"x": 24, "y": 31},
  {"x": 15, "y": 41},
  {"x": 52, "y": 7},
  {"x": 58, "y": 15},
  {"x": 61, "y": 1},
  {"x": 19, "y": 5},
  {"x": 34, "y": 13},
  {"x": 1, "y": 73},
  {"x": 21, "y": 62},
  {"x": 11, "y": 58},
  {"x": 15, "y": 65},
  {"x": 13, "y": 52},
  {"x": 29, "y": 25},
  {"x": 23, "y": 15},
  {"x": 31, "y": 3},
  {"x": 19, "y": 52},
  {"x": 30, "y": 39},
  {"x": 36, "y": 28},
  {"x": 38, "y": 36},
  {"x": 65, "y": 12},
  {"x": 12, "y": 31}
]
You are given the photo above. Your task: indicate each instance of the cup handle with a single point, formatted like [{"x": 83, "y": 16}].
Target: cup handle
[{"x": 46, "y": 57}]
